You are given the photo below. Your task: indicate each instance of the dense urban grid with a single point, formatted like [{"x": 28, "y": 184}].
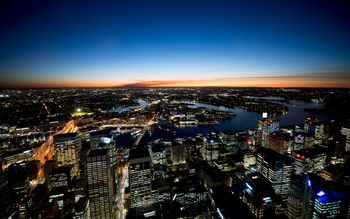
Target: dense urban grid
[{"x": 175, "y": 153}]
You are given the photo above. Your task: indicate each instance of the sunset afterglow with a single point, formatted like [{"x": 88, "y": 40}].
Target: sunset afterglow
[{"x": 174, "y": 43}]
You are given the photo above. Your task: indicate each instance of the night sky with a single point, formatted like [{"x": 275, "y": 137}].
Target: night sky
[{"x": 174, "y": 43}]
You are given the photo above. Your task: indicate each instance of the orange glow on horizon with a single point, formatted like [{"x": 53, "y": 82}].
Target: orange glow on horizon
[{"x": 312, "y": 81}]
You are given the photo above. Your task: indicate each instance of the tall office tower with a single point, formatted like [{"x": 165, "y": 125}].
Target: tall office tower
[
  {"x": 259, "y": 196},
  {"x": 59, "y": 183},
  {"x": 319, "y": 133},
  {"x": 103, "y": 140},
  {"x": 178, "y": 153},
  {"x": 295, "y": 197},
  {"x": 265, "y": 127},
  {"x": 210, "y": 151},
  {"x": 276, "y": 168},
  {"x": 345, "y": 130},
  {"x": 281, "y": 142},
  {"x": 310, "y": 124},
  {"x": 100, "y": 183},
  {"x": 324, "y": 199},
  {"x": 309, "y": 160},
  {"x": 140, "y": 177},
  {"x": 67, "y": 147}
]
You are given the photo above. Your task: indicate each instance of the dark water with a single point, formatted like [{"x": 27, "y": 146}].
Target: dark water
[
  {"x": 244, "y": 119},
  {"x": 248, "y": 120},
  {"x": 142, "y": 104}
]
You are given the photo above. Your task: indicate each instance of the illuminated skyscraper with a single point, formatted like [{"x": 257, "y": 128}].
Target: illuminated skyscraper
[
  {"x": 310, "y": 124},
  {"x": 323, "y": 200},
  {"x": 210, "y": 151},
  {"x": 67, "y": 147},
  {"x": 276, "y": 168},
  {"x": 345, "y": 130},
  {"x": 178, "y": 153},
  {"x": 140, "y": 177},
  {"x": 265, "y": 127},
  {"x": 100, "y": 183},
  {"x": 259, "y": 196},
  {"x": 295, "y": 197}
]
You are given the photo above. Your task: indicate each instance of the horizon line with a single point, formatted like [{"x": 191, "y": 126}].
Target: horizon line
[{"x": 308, "y": 80}]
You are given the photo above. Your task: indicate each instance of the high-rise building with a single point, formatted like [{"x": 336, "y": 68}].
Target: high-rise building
[
  {"x": 67, "y": 147},
  {"x": 210, "y": 151},
  {"x": 276, "y": 168},
  {"x": 58, "y": 183},
  {"x": 345, "y": 130},
  {"x": 100, "y": 183},
  {"x": 259, "y": 196},
  {"x": 319, "y": 133},
  {"x": 178, "y": 153},
  {"x": 281, "y": 142},
  {"x": 323, "y": 199},
  {"x": 140, "y": 177},
  {"x": 265, "y": 127},
  {"x": 295, "y": 197},
  {"x": 309, "y": 160},
  {"x": 310, "y": 124}
]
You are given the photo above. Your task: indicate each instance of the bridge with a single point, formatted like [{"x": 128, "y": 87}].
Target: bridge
[{"x": 144, "y": 130}]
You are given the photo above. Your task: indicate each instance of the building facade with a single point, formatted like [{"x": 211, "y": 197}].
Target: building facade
[
  {"x": 140, "y": 178},
  {"x": 67, "y": 147},
  {"x": 100, "y": 184}
]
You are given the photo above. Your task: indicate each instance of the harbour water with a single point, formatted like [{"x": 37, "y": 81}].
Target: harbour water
[{"x": 243, "y": 120}]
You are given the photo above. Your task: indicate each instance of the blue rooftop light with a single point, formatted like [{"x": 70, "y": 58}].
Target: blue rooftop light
[
  {"x": 321, "y": 193},
  {"x": 309, "y": 182}
]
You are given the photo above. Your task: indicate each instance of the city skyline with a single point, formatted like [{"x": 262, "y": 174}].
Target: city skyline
[{"x": 175, "y": 44}]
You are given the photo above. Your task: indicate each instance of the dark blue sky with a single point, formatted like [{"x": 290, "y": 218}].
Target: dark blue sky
[{"x": 121, "y": 42}]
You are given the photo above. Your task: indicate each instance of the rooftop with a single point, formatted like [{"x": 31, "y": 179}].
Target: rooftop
[
  {"x": 100, "y": 152},
  {"x": 67, "y": 136},
  {"x": 138, "y": 153},
  {"x": 101, "y": 133},
  {"x": 258, "y": 182}
]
